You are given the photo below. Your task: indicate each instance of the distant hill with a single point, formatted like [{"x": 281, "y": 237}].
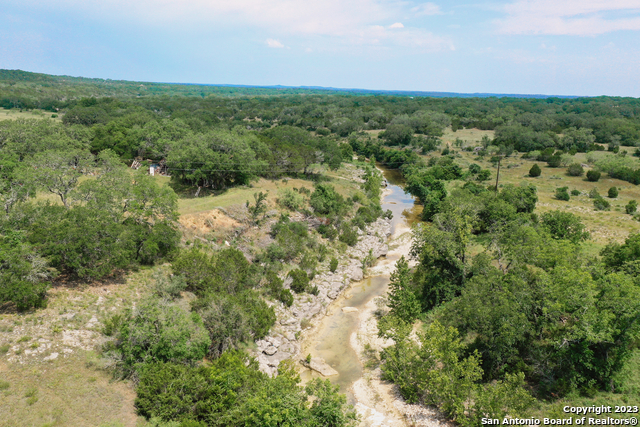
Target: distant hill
[{"x": 136, "y": 88}]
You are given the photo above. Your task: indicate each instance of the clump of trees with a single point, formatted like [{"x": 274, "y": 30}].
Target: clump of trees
[{"x": 525, "y": 306}]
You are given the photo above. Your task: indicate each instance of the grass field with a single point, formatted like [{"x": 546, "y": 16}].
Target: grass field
[
  {"x": 50, "y": 371},
  {"x": 31, "y": 114},
  {"x": 604, "y": 226},
  {"x": 187, "y": 204}
]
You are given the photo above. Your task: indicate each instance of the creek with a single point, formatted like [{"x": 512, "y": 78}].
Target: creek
[{"x": 331, "y": 341}]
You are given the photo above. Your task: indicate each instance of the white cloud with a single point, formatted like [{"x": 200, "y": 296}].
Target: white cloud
[
  {"x": 274, "y": 43},
  {"x": 342, "y": 22},
  {"x": 396, "y": 25},
  {"x": 426, "y": 9},
  {"x": 569, "y": 17}
]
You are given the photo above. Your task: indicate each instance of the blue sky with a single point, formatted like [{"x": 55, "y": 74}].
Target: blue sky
[{"x": 561, "y": 47}]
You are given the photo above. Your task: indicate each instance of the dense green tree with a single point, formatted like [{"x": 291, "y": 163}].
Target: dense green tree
[
  {"x": 535, "y": 171},
  {"x": 593, "y": 175},
  {"x": 562, "y": 193},
  {"x": 325, "y": 200},
  {"x": 23, "y": 274},
  {"x": 216, "y": 159},
  {"x": 564, "y": 225},
  {"x": 158, "y": 331},
  {"x": 402, "y": 299},
  {"x": 575, "y": 169}
]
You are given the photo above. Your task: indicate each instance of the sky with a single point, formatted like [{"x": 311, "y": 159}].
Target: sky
[{"x": 553, "y": 47}]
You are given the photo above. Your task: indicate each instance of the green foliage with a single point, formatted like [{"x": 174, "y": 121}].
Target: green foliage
[
  {"x": 575, "y": 169},
  {"x": 157, "y": 331},
  {"x": 562, "y": 194},
  {"x": 575, "y": 192},
  {"x": 524, "y": 198},
  {"x": 291, "y": 199},
  {"x": 259, "y": 207},
  {"x": 436, "y": 372},
  {"x": 233, "y": 319},
  {"x": 631, "y": 207},
  {"x": 593, "y": 175},
  {"x": 564, "y": 225},
  {"x": 554, "y": 161},
  {"x": 23, "y": 274},
  {"x": 402, "y": 300},
  {"x": 300, "y": 281},
  {"x": 601, "y": 204},
  {"x": 474, "y": 169},
  {"x": 333, "y": 265},
  {"x": 168, "y": 287},
  {"x": 348, "y": 234},
  {"x": 276, "y": 289},
  {"x": 535, "y": 171},
  {"x": 225, "y": 271},
  {"x": 217, "y": 159},
  {"x": 326, "y": 201},
  {"x": 613, "y": 192},
  {"x": 233, "y": 392},
  {"x": 292, "y": 239},
  {"x": 397, "y": 134}
]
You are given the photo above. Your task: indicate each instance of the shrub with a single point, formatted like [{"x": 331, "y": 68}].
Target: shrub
[
  {"x": 290, "y": 199},
  {"x": 234, "y": 319},
  {"x": 277, "y": 291},
  {"x": 484, "y": 175},
  {"x": 554, "y": 161},
  {"x": 22, "y": 275},
  {"x": 631, "y": 207},
  {"x": 613, "y": 193},
  {"x": 575, "y": 192},
  {"x": 594, "y": 194},
  {"x": 535, "y": 171},
  {"x": 333, "y": 265},
  {"x": 601, "y": 204},
  {"x": 328, "y": 231},
  {"x": 300, "y": 281},
  {"x": 593, "y": 175},
  {"x": 326, "y": 201},
  {"x": 575, "y": 169},
  {"x": 168, "y": 287},
  {"x": 159, "y": 332},
  {"x": 562, "y": 194},
  {"x": 474, "y": 168},
  {"x": 564, "y": 225},
  {"x": 349, "y": 234}
]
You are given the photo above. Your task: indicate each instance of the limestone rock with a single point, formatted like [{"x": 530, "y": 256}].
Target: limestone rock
[
  {"x": 319, "y": 365},
  {"x": 271, "y": 350}
]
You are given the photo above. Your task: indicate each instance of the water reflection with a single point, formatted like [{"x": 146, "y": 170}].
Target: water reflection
[{"x": 401, "y": 204}]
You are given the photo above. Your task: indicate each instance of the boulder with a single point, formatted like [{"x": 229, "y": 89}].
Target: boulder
[{"x": 319, "y": 365}]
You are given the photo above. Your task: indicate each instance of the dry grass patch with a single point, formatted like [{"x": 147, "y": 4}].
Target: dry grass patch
[
  {"x": 604, "y": 226},
  {"x": 31, "y": 114},
  {"x": 65, "y": 392}
]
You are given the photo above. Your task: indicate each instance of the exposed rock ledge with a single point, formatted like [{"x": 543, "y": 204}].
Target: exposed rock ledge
[{"x": 283, "y": 343}]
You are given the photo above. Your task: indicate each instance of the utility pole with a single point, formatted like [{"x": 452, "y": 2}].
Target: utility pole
[{"x": 498, "y": 174}]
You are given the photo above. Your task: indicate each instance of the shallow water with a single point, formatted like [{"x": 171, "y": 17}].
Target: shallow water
[
  {"x": 334, "y": 331},
  {"x": 401, "y": 204}
]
